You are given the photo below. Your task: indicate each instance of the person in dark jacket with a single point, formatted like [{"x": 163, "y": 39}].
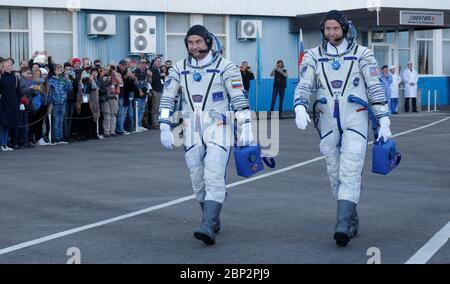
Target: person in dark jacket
[
  {"x": 25, "y": 106},
  {"x": 141, "y": 96},
  {"x": 9, "y": 104},
  {"x": 158, "y": 88},
  {"x": 71, "y": 125},
  {"x": 247, "y": 76},
  {"x": 279, "y": 85}
]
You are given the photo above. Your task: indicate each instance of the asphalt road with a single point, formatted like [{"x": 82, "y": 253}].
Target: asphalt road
[{"x": 288, "y": 217}]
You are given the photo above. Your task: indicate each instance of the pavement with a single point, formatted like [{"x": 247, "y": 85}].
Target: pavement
[{"x": 55, "y": 198}]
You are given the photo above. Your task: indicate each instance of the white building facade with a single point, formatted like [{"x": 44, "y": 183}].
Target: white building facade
[{"x": 62, "y": 27}]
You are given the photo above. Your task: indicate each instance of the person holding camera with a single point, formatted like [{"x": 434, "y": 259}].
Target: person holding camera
[
  {"x": 74, "y": 73},
  {"x": 87, "y": 106},
  {"x": 247, "y": 76},
  {"x": 279, "y": 85},
  {"x": 109, "y": 88},
  {"x": 143, "y": 90},
  {"x": 158, "y": 88}
]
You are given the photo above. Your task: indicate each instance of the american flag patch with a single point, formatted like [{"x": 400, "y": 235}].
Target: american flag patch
[
  {"x": 236, "y": 84},
  {"x": 374, "y": 71}
]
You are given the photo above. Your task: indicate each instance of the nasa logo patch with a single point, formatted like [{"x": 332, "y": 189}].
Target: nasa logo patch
[
  {"x": 356, "y": 82},
  {"x": 217, "y": 97}
]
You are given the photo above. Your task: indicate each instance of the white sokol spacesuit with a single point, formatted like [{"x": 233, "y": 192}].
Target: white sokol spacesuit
[
  {"x": 212, "y": 97},
  {"x": 337, "y": 73}
]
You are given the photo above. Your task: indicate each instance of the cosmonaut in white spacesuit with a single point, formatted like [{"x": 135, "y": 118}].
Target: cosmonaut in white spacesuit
[
  {"x": 212, "y": 97},
  {"x": 340, "y": 70}
]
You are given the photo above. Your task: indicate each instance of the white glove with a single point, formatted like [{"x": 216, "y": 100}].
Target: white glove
[
  {"x": 384, "y": 131},
  {"x": 166, "y": 136},
  {"x": 301, "y": 117},
  {"x": 246, "y": 137}
]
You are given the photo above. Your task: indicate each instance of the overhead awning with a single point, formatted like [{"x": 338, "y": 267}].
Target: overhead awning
[{"x": 388, "y": 18}]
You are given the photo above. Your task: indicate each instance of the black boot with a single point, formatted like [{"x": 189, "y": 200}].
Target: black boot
[
  {"x": 211, "y": 212},
  {"x": 216, "y": 226},
  {"x": 347, "y": 222},
  {"x": 355, "y": 224}
]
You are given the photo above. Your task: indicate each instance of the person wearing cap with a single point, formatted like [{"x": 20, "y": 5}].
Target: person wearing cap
[
  {"x": 386, "y": 81},
  {"x": 212, "y": 95},
  {"x": 343, "y": 73},
  {"x": 411, "y": 78},
  {"x": 70, "y": 122},
  {"x": 396, "y": 80}
]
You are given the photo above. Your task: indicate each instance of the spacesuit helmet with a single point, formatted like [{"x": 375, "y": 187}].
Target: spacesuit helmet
[
  {"x": 339, "y": 17},
  {"x": 202, "y": 32},
  {"x": 210, "y": 40},
  {"x": 349, "y": 30}
]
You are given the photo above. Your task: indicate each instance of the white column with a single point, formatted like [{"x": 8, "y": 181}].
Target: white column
[
  {"x": 75, "y": 33},
  {"x": 412, "y": 46},
  {"x": 396, "y": 62},
  {"x": 36, "y": 30},
  {"x": 228, "y": 38},
  {"x": 437, "y": 52}
]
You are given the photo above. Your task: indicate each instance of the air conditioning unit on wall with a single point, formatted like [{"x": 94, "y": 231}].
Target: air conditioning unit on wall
[
  {"x": 248, "y": 29},
  {"x": 101, "y": 24},
  {"x": 142, "y": 34}
]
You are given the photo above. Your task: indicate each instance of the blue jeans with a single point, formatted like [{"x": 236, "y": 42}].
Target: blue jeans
[
  {"x": 130, "y": 116},
  {"x": 3, "y": 136},
  {"x": 275, "y": 94},
  {"x": 58, "y": 113},
  {"x": 393, "y": 105},
  {"x": 121, "y": 116},
  {"x": 141, "y": 109}
]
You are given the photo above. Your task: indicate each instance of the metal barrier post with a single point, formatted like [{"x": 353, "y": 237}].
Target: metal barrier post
[
  {"x": 136, "y": 115},
  {"x": 435, "y": 100}
]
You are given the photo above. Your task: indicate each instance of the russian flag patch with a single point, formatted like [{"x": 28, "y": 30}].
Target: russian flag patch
[{"x": 236, "y": 84}]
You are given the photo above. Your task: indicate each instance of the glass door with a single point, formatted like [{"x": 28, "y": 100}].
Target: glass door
[{"x": 384, "y": 54}]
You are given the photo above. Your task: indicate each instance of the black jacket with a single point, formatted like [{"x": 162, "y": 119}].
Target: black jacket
[
  {"x": 280, "y": 80},
  {"x": 157, "y": 85},
  {"x": 246, "y": 78},
  {"x": 9, "y": 101}
]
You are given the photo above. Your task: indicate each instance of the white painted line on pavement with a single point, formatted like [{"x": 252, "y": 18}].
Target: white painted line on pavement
[
  {"x": 174, "y": 202},
  {"x": 424, "y": 254}
]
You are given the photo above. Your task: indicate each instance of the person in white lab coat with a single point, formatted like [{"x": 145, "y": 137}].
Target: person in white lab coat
[
  {"x": 394, "y": 90},
  {"x": 410, "y": 77}
]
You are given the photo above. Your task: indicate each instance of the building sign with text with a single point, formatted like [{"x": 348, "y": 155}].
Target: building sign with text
[{"x": 421, "y": 18}]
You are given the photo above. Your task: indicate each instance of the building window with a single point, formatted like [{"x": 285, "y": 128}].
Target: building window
[
  {"x": 178, "y": 25},
  {"x": 58, "y": 34},
  {"x": 403, "y": 50},
  {"x": 424, "y": 51},
  {"x": 14, "y": 34},
  {"x": 445, "y": 54},
  {"x": 216, "y": 24}
]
